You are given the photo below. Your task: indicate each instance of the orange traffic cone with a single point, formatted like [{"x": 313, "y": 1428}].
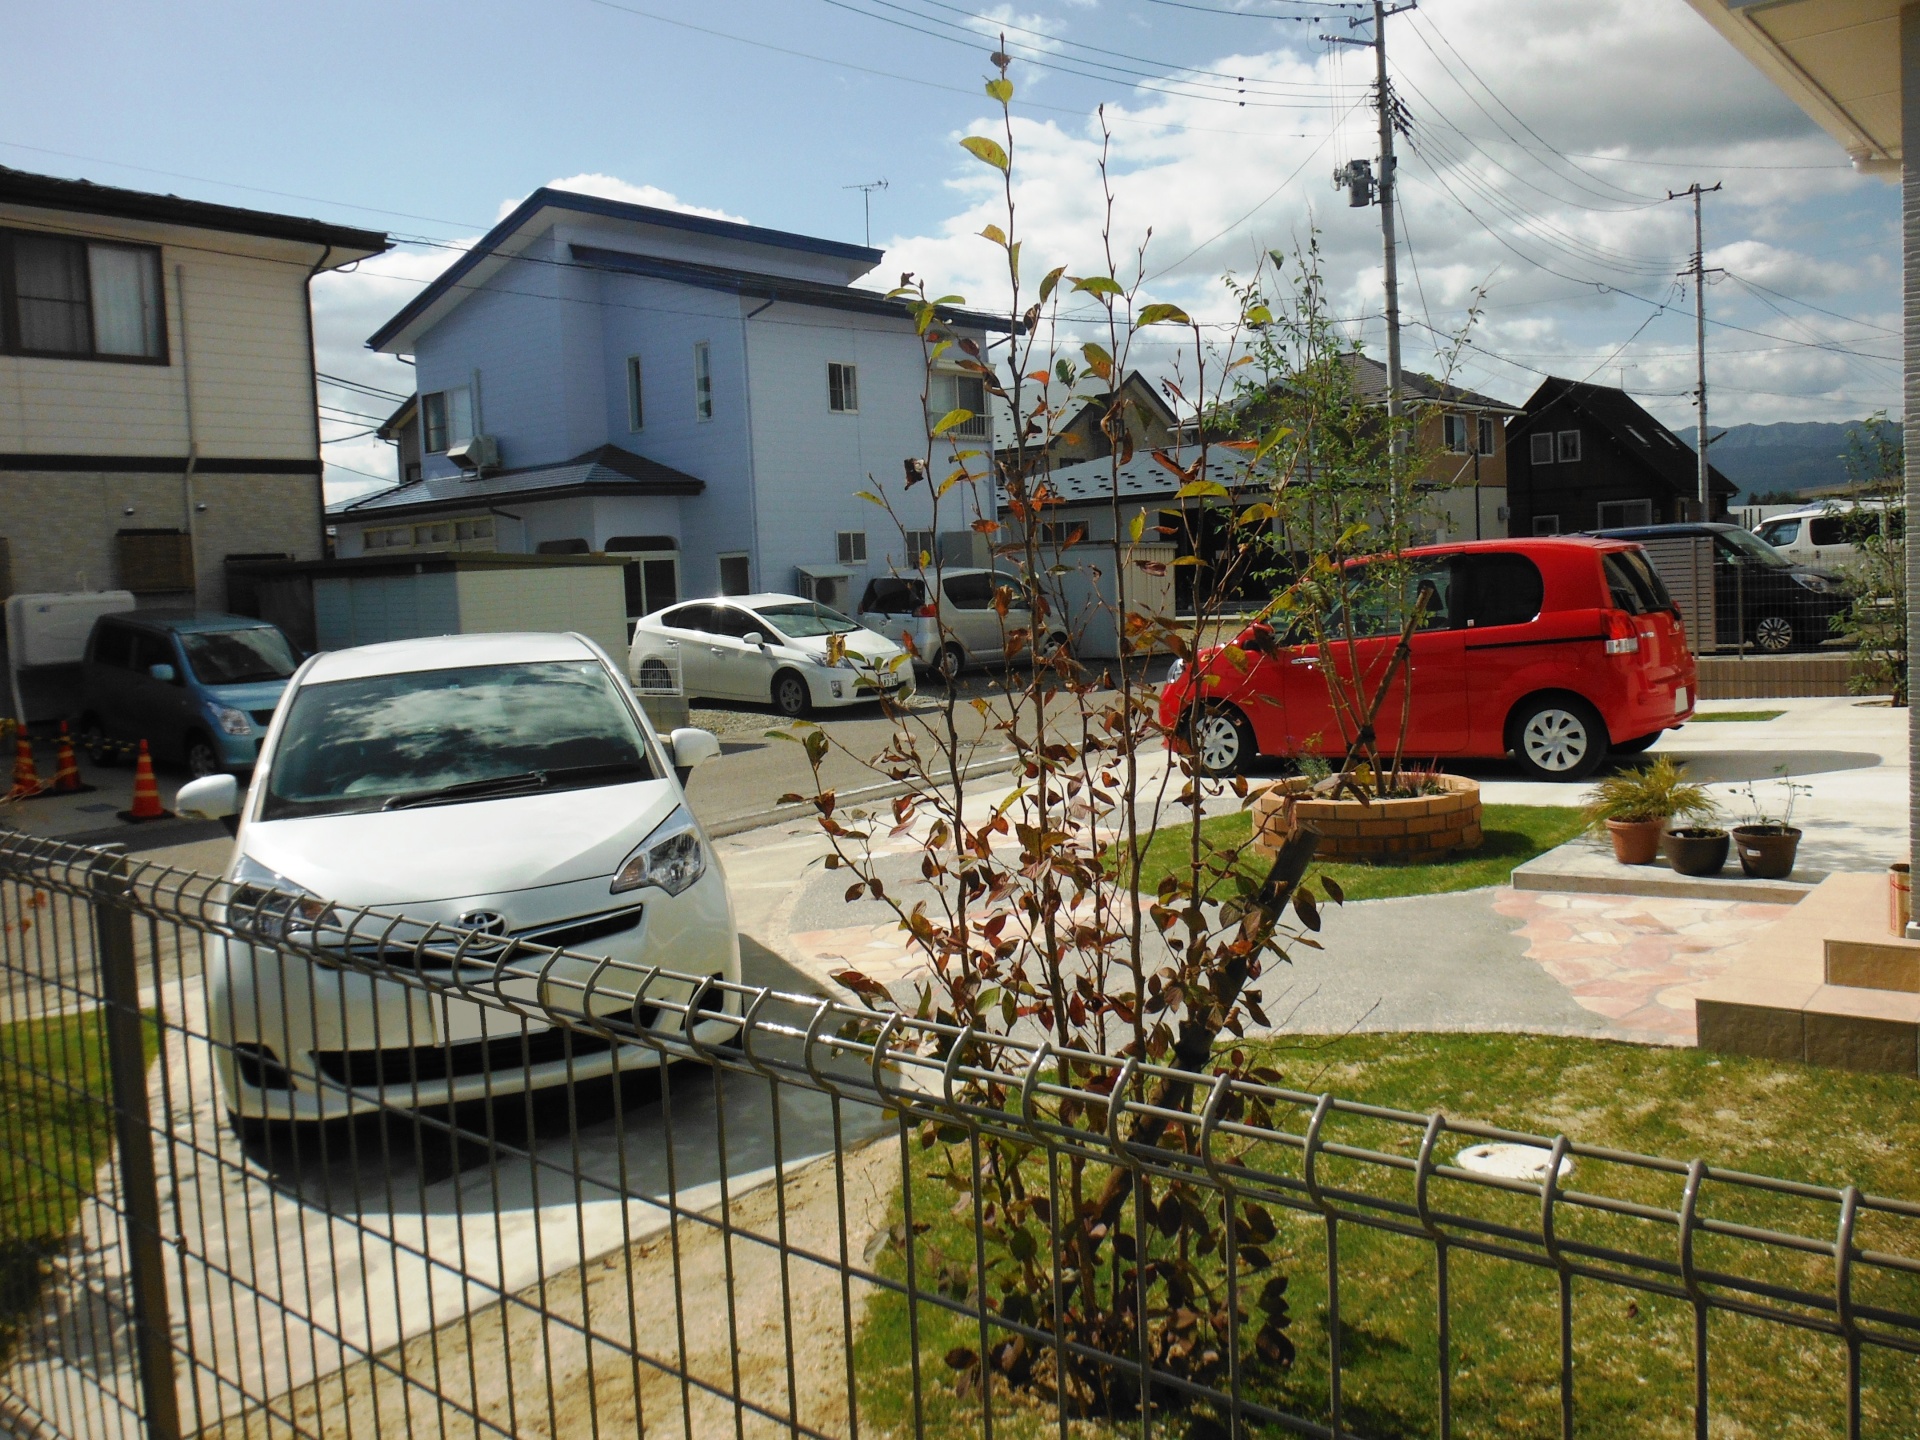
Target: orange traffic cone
[
  {"x": 66, "y": 774},
  {"x": 26, "y": 779},
  {"x": 146, "y": 791}
]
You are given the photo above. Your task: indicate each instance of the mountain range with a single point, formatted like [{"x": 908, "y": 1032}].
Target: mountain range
[{"x": 1792, "y": 455}]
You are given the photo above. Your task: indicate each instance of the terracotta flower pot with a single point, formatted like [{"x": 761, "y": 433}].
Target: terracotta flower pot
[
  {"x": 1766, "y": 851},
  {"x": 1697, "y": 851},
  {"x": 1899, "y": 896},
  {"x": 1635, "y": 842}
]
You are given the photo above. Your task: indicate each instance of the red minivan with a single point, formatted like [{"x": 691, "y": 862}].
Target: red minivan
[{"x": 1555, "y": 651}]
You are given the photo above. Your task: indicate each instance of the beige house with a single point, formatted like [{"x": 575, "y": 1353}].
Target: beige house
[{"x": 157, "y": 405}]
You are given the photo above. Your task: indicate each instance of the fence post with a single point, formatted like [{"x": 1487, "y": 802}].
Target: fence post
[{"x": 133, "y": 1136}]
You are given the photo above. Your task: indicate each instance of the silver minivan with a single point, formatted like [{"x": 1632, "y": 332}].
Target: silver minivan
[{"x": 958, "y": 626}]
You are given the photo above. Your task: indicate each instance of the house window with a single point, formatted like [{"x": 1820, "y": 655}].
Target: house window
[
  {"x": 921, "y": 547},
  {"x": 652, "y": 576},
  {"x": 735, "y": 574},
  {"x": 843, "y": 388},
  {"x": 563, "y": 547},
  {"x": 1546, "y": 524},
  {"x": 636, "y": 411},
  {"x": 852, "y": 546},
  {"x": 948, "y": 392},
  {"x": 474, "y": 534},
  {"x": 447, "y": 419},
  {"x": 1454, "y": 432},
  {"x": 439, "y": 533},
  {"x": 703, "y": 387},
  {"x": 1541, "y": 447},
  {"x": 410, "y": 473},
  {"x": 1615, "y": 514},
  {"x": 1568, "y": 449},
  {"x": 87, "y": 299},
  {"x": 1487, "y": 435}
]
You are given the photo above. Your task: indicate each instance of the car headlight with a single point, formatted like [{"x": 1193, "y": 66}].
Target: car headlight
[
  {"x": 234, "y": 722},
  {"x": 266, "y": 904},
  {"x": 850, "y": 661},
  {"x": 1178, "y": 669},
  {"x": 671, "y": 858},
  {"x": 1819, "y": 584}
]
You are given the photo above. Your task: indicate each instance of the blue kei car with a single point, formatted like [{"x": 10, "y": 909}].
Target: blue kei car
[{"x": 200, "y": 689}]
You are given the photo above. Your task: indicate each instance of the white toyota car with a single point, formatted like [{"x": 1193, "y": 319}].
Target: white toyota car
[
  {"x": 782, "y": 650},
  {"x": 507, "y": 785}
]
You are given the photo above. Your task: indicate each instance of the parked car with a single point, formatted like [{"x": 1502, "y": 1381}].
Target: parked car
[
  {"x": 1556, "y": 651},
  {"x": 1759, "y": 595},
  {"x": 766, "y": 648},
  {"x": 958, "y": 626},
  {"x": 1822, "y": 535},
  {"x": 506, "y": 784},
  {"x": 200, "y": 689}
]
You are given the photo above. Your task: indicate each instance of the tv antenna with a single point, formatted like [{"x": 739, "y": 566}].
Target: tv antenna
[{"x": 866, "y": 203}]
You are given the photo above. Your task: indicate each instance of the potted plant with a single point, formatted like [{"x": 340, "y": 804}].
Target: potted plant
[
  {"x": 1636, "y": 806},
  {"x": 1766, "y": 842},
  {"x": 1696, "y": 849}
]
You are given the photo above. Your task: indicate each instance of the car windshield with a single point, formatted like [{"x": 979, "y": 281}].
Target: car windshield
[
  {"x": 1752, "y": 547},
  {"x": 238, "y": 657},
  {"x": 802, "y": 619},
  {"x": 472, "y": 733}
]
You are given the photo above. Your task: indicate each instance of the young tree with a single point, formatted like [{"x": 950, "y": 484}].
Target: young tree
[{"x": 1876, "y": 620}]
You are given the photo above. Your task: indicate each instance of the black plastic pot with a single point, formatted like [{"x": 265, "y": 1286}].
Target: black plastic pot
[
  {"x": 1766, "y": 851},
  {"x": 1696, "y": 851}
]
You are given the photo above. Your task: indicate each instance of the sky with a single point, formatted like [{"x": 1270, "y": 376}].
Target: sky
[{"x": 1542, "y": 138}]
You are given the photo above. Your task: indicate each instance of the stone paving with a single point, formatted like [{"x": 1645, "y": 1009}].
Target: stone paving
[{"x": 1638, "y": 961}]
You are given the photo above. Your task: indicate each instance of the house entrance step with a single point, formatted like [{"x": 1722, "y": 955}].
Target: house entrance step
[{"x": 1874, "y": 964}]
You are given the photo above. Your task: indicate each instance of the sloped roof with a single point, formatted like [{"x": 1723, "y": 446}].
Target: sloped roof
[
  {"x": 1141, "y": 478},
  {"x": 1627, "y": 424},
  {"x": 766, "y": 287},
  {"x": 1370, "y": 384},
  {"x": 49, "y": 192},
  {"x": 608, "y": 470}
]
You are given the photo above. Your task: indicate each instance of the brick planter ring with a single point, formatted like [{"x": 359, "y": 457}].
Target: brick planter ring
[{"x": 1400, "y": 831}]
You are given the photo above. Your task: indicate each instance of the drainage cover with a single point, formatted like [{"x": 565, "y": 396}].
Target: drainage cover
[{"x": 1511, "y": 1162}]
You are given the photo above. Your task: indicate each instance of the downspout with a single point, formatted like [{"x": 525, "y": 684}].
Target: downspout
[
  {"x": 193, "y": 441},
  {"x": 758, "y": 577},
  {"x": 313, "y": 376}
]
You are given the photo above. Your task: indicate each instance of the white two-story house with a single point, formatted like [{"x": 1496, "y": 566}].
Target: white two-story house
[
  {"x": 704, "y": 397},
  {"x": 157, "y": 408}
]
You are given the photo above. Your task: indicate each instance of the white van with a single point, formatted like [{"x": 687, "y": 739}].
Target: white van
[{"x": 1816, "y": 534}]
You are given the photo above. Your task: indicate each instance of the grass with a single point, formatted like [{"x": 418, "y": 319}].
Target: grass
[
  {"x": 55, "y": 1133},
  {"x": 1513, "y": 834},
  {"x": 1633, "y": 1372},
  {"x": 1731, "y": 715}
]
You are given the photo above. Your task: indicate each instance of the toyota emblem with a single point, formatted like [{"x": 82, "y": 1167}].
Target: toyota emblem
[{"x": 483, "y": 922}]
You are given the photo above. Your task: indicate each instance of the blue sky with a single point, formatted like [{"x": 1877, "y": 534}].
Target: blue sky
[{"x": 427, "y": 118}]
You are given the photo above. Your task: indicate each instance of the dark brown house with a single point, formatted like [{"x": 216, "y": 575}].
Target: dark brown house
[
  {"x": 1150, "y": 420},
  {"x": 1588, "y": 457}
]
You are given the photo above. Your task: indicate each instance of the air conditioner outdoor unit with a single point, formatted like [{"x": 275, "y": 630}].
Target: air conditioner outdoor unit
[{"x": 478, "y": 455}]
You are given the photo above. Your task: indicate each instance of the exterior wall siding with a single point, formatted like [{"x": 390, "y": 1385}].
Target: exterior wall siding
[
  {"x": 588, "y": 599},
  {"x": 351, "y": 610}
]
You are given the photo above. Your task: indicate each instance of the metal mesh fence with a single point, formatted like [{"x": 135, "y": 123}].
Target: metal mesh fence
[{"x": 274, "y": 1168}]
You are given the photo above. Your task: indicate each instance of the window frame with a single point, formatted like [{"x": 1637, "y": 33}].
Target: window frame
[
  {"x": 1644, "y": 506},
  {"x": 1551, "y": 522},
  {"x": 720, "y": 571},
  {"x": 845, "y": 545},
  {"x": 10, "y": 301},
  {"x": 979, "y": 427},
  {"x": 702, "y": 380},
  {"x": 1487, "y": 435},
  {"x": 1563, "y": 454},
  {"x": 636, "y": 399},
  {"x": 843, "y": 387},
  {"x": 1453, "y": 434},
  {"x": 446, "y": 419},
  {"x": 1540, "y": 447},
  {"x": 930, "y": 549}
]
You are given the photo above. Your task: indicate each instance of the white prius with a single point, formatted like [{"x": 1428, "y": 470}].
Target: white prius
[{"x": 507, "y": 785}]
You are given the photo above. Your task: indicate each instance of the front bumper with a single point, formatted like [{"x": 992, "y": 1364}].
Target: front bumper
[{"x": 402, "y": 1025}]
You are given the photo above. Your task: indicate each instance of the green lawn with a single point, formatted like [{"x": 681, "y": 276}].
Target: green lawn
[
  {"x": 1744, "y": 715},
  {"x": 1632, "y": 1353},
  {"x": 1514, "y": 834},
  {"x": 55, "y": 1133}
]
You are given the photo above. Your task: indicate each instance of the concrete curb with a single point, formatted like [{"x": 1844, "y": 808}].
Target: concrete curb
[
  {"x": 783, "y": 814},
  {"x": 1657, "y": 881}
]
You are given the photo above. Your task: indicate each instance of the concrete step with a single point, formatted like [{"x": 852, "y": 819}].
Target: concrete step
[
  {"x": 1887, "y": 964},
  {"x": 1776, "y": 998}
]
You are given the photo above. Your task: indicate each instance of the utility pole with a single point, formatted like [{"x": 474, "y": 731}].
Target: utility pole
[
  {"x": 1698, "y": 270},
  {"x": 1362, "y": 186},
  {"x": 866, "y": 203}
]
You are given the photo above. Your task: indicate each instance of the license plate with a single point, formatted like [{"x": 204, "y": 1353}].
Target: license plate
[{"x": 1680, "y": 700}]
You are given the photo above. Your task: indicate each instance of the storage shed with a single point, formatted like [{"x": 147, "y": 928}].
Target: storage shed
[{"x": 336, "y": 604}]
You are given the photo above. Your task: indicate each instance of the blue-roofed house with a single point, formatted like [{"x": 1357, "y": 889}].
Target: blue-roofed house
[{"x": 703, "y": 396}]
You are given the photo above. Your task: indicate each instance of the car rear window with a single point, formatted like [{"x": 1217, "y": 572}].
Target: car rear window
[
  {"x": 893, "y": 595},
  {"x": 1496, "y": 589},
  {"x": 969, "y": 592},
  {"x": 1633, "y": 585}
]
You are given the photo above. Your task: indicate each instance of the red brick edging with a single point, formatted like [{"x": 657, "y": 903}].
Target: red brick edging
[{"x": 1414, "y": 831}]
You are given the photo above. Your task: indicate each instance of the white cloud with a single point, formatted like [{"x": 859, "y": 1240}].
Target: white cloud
[{"x": 611, "y": 187}]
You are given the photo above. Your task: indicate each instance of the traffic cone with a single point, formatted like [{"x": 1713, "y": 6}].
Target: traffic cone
[
  {"x": 146, "y": 791},
  {"x": 66, "y": 774},
  {"x": 26, "y": 779}
]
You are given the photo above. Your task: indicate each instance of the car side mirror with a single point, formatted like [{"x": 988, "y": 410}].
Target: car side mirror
[
  {"x": 690, "y": 747},
  {"x": 162, "y": 673},
  {"x": 211, "y": 797},
  {"x": 754, "y": 637}
]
